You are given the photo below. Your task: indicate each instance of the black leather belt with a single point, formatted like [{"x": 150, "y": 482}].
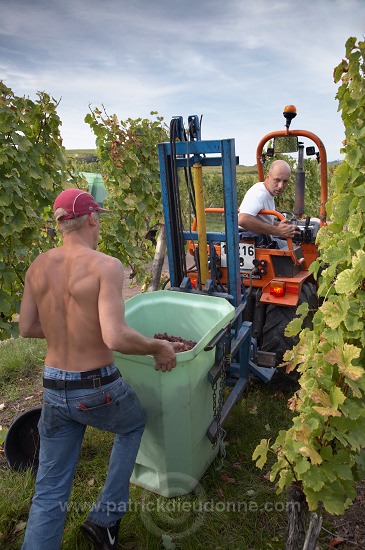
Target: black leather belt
[{"x": 94, "y": 381}]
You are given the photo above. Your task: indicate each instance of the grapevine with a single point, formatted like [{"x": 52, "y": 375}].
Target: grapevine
[
  {"x": 322, "y": 453},
  {"x": 129, "y": 164},
  {"x": 33, "y": 168}
]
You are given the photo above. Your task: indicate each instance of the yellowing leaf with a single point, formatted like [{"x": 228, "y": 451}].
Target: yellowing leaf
[
  {"x": 312, "y": 499},
  {"x": 311, "y": 453},
  {"x": 335, "y": 311},
  {"x": 293, "y": 402},
  {"x": 319, "y": 396},
  {"x": 343, "y": 357},
  {"x": 330, "y": 411}
]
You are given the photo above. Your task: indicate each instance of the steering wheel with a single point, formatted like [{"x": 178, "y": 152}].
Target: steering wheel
[{"x": 287, "y": 214}]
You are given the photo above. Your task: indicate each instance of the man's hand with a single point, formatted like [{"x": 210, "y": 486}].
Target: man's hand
[
  {"x": 286, "y": 229},
  {"x": 166, "y": 357}
]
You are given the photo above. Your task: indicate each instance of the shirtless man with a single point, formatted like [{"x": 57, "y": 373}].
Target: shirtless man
[
  {"x": 73, "y": 298},
  {"x": 261, "y": 196}
]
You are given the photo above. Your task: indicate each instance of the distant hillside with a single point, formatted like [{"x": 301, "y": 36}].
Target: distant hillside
[
  {"x": 82, "y": 155},
  {"x": 89, "y": 156}
]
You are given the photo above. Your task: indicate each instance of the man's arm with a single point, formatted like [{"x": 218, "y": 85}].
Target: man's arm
[
  {"x": 119, "y": 336},
  {"x": 29, "y": 323},
  {"x": 283, "y": 229}
]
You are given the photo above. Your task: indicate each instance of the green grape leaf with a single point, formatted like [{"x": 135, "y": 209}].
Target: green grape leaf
[
  {"x": 347, "y": 282},
  {"x": 327, "y": 470},
  {"x": 260, "y": 453},
  {"x": 301, "y": 467},
  {"x": 353, "y": 408},
  {"x": 285, "y": 479},
  {"x": 353, "y": 323},
  {"x": 355, "y": 223},
  {"x": 294, "y": 327},
  {"x": 314, "y": 478}
]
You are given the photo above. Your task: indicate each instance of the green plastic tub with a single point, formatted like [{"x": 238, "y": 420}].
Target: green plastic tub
[
  {"x": 96, "y": 186},
  {"x": 175, "y": 450}
]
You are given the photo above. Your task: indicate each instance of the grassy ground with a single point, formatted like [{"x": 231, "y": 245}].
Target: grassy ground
[{"x": 234, "y": 506}]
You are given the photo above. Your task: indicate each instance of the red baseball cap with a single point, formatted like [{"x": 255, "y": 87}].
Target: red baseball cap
[{"x": 77, "y": 203}]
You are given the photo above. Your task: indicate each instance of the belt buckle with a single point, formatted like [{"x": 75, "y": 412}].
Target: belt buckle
[{"x": 96, "y": 383}]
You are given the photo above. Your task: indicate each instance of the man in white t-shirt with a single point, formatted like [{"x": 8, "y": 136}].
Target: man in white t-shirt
[{"x": 261, "y": 196}]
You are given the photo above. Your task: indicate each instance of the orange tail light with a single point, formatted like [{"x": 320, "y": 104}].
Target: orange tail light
[{"x": 277, "y": 289}]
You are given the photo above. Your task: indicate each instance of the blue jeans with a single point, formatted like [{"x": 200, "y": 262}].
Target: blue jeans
[{"x": 65, "y": 415}]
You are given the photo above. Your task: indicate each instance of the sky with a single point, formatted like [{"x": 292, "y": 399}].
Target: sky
[{"x": 235, "y": 63}]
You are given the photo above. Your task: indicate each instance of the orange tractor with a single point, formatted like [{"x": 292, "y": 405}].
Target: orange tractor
[{"x": 276, "y": 281}]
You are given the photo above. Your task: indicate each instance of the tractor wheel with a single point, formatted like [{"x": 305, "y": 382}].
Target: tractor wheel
[{"x": 277, "y": 318}]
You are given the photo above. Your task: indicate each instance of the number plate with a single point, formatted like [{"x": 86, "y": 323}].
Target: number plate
[{"x": 247, "y": 256}]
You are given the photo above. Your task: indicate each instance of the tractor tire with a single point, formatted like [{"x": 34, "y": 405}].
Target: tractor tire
[{"x": 277, "y": 318}]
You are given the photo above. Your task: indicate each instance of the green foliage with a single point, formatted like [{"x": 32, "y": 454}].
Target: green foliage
[
  {"x": 323, "y": 449},
  {"x": 32, "y": 167},
  {"x": 312, "y": 186},
  {"x": 129, "y": 163}
]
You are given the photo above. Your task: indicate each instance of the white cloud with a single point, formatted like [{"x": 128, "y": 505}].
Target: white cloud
[{"x": 237, "y": 63}]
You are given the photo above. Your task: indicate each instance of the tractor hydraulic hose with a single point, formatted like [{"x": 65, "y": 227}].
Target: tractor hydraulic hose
[
  {"x": 178, "y": 249},
  {"x": 201, "y": 222}
]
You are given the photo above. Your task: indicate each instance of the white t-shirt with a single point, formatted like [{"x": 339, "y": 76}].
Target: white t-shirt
[{"x": 258, "y": 198}]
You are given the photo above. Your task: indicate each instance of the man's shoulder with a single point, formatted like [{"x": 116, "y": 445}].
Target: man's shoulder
[
  {"x": 256, "y": 190},
  {"x": 40, "y": 260},
  {"x": 99, "y": 257},
  {"x": 85, "y": 255},
  {"x": 259, "y": 186},
  {"x": 106, "y": 262}
]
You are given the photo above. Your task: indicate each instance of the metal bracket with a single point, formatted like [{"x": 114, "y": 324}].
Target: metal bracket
[
  {"x": 209, "y": 286},
  {"x": 186, "y": 284},
  {"x": 266, "y": 358}
]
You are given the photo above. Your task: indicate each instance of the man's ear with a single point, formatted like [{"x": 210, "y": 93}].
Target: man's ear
[{"x": 91, "y": 219}]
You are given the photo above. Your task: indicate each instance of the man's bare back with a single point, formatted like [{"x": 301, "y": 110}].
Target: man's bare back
[
  {"x": 65, "y": 284},
  {"x": 73, "y": 297}
]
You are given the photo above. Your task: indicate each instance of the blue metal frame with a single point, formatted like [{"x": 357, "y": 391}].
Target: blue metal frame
[
  {"x": 191, "y": 152},
  {"x": 237, "y": 334}
]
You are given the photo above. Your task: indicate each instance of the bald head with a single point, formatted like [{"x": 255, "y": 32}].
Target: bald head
[
  {"x": 278, "y": 177},
  {"x": 279, "y": 165}
]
